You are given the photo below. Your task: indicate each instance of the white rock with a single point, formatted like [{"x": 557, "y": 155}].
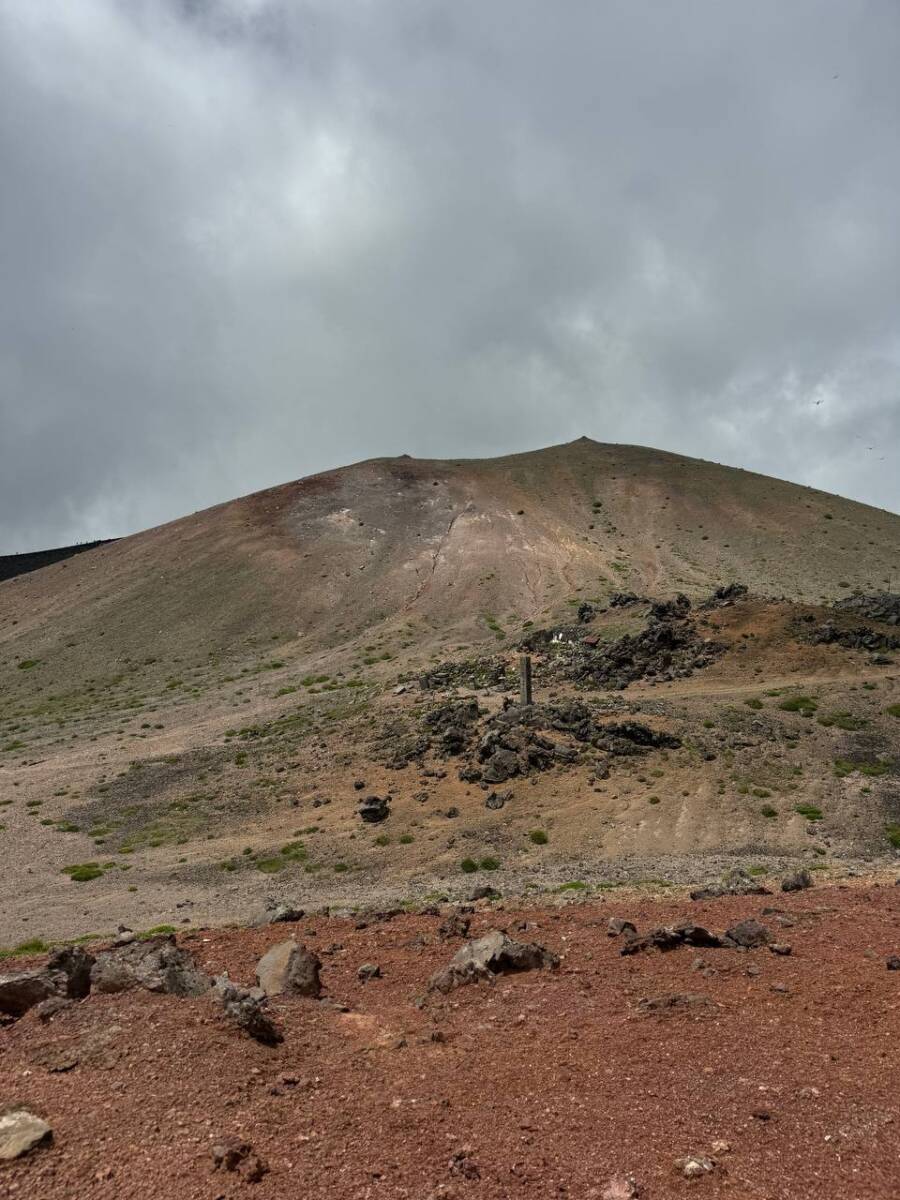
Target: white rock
[{"x": 21, "y": 1131}]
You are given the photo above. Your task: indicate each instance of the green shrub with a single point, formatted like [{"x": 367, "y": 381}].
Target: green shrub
[
  {"x": 406, "y": 839},
  {"x": 27, "y": 663},
  {"x": 468, "y": 866},
  {"x": 83, "y": 872},
  {"x": 893, "y": 710},
  {"x": 893, "y": 835},
  {"x": 490, "y": 863},
  {"x": 382, "y": 840},
  {"x": 538, "y": 837},
  {"x": 294, "y": 851},
  {"x": 768, "y": 811},
  {"x": 754, "y": 702},
  {"x": 810, "y": 811}
]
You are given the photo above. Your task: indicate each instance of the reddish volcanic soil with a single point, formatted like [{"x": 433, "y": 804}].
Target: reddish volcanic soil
[{"x": 540, "y": 1085}]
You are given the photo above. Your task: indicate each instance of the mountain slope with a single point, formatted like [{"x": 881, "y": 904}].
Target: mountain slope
[
  {"x": 189, "y": 717},
  {"x": 327, "y": 557}
]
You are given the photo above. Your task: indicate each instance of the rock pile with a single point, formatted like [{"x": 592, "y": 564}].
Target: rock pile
[
  {"x": 525, "y": 740},
  {"x": 860, "y": 638},
  {"x": 745, "y": 935},
  {"x": 475, "y": 673},
  {"x": 668, "y": 648},
  {"x": 246, "y": 1008},
  {"x": 736, "y": 882},
  {"x": 876, "y": 606}
]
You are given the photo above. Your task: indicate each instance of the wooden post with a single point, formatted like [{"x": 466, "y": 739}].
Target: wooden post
[{"x": 525, "y": 679}]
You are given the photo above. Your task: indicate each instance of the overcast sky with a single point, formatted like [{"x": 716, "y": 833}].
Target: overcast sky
[{"x": 245, "y": 240}]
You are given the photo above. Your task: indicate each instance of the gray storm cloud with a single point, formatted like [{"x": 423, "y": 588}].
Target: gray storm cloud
[{"x": 243, "y": 241}]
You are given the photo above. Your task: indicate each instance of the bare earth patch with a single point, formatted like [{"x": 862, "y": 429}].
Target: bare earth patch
[{"x": 778, "y": 1070}]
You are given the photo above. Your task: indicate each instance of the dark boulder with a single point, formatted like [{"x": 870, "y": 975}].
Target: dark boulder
[
  {"x": 374, "y": 809},
  {"x": 797, "y": 882},
  {"x": 747, "y": 934}
]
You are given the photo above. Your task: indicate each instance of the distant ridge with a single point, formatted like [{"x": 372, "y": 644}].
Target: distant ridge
[{"x": 12, "y": 565}]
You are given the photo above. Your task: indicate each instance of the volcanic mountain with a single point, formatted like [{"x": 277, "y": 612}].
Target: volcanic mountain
[
  {"x": 443, "y": 543},
  {"x": 172, "y": 699}
]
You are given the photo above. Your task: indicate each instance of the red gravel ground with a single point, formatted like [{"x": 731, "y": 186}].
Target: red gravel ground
[{"x": 546, "y": 1085}]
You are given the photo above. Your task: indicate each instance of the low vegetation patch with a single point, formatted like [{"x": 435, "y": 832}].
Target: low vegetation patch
[
  {"x": 804, "y": 705},
  {"x": 842, "y": 720},
  {"x": 845, "y": 766},
  {"x": 810, "y": 811},
  {"x": 33, "y": 946},
  {"x": 83, "y": 872}
]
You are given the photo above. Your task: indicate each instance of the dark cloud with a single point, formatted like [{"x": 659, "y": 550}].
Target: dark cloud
[{"x": 242, "y": 240}]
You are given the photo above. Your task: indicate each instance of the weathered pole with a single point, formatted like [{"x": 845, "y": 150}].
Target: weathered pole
[{"x": 525, "y": 679}]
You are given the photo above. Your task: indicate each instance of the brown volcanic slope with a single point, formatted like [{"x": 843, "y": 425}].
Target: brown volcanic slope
[
  {"x": 202, "y": 694},
  {"x": 325, "y": 558}
]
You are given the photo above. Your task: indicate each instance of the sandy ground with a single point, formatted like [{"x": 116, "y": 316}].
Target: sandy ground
[{"x": 781, "y": 1069}]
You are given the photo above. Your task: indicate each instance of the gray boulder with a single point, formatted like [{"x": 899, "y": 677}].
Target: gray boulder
[
  {"x": 616, "y": 926},
  {"x": 156, "y": 965},
  {"x": 22, "y": 990},
  {"x": 493, "y": 954},
  {"x": 501, "y": 765},
  {"x": 287, "y": 967}
]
